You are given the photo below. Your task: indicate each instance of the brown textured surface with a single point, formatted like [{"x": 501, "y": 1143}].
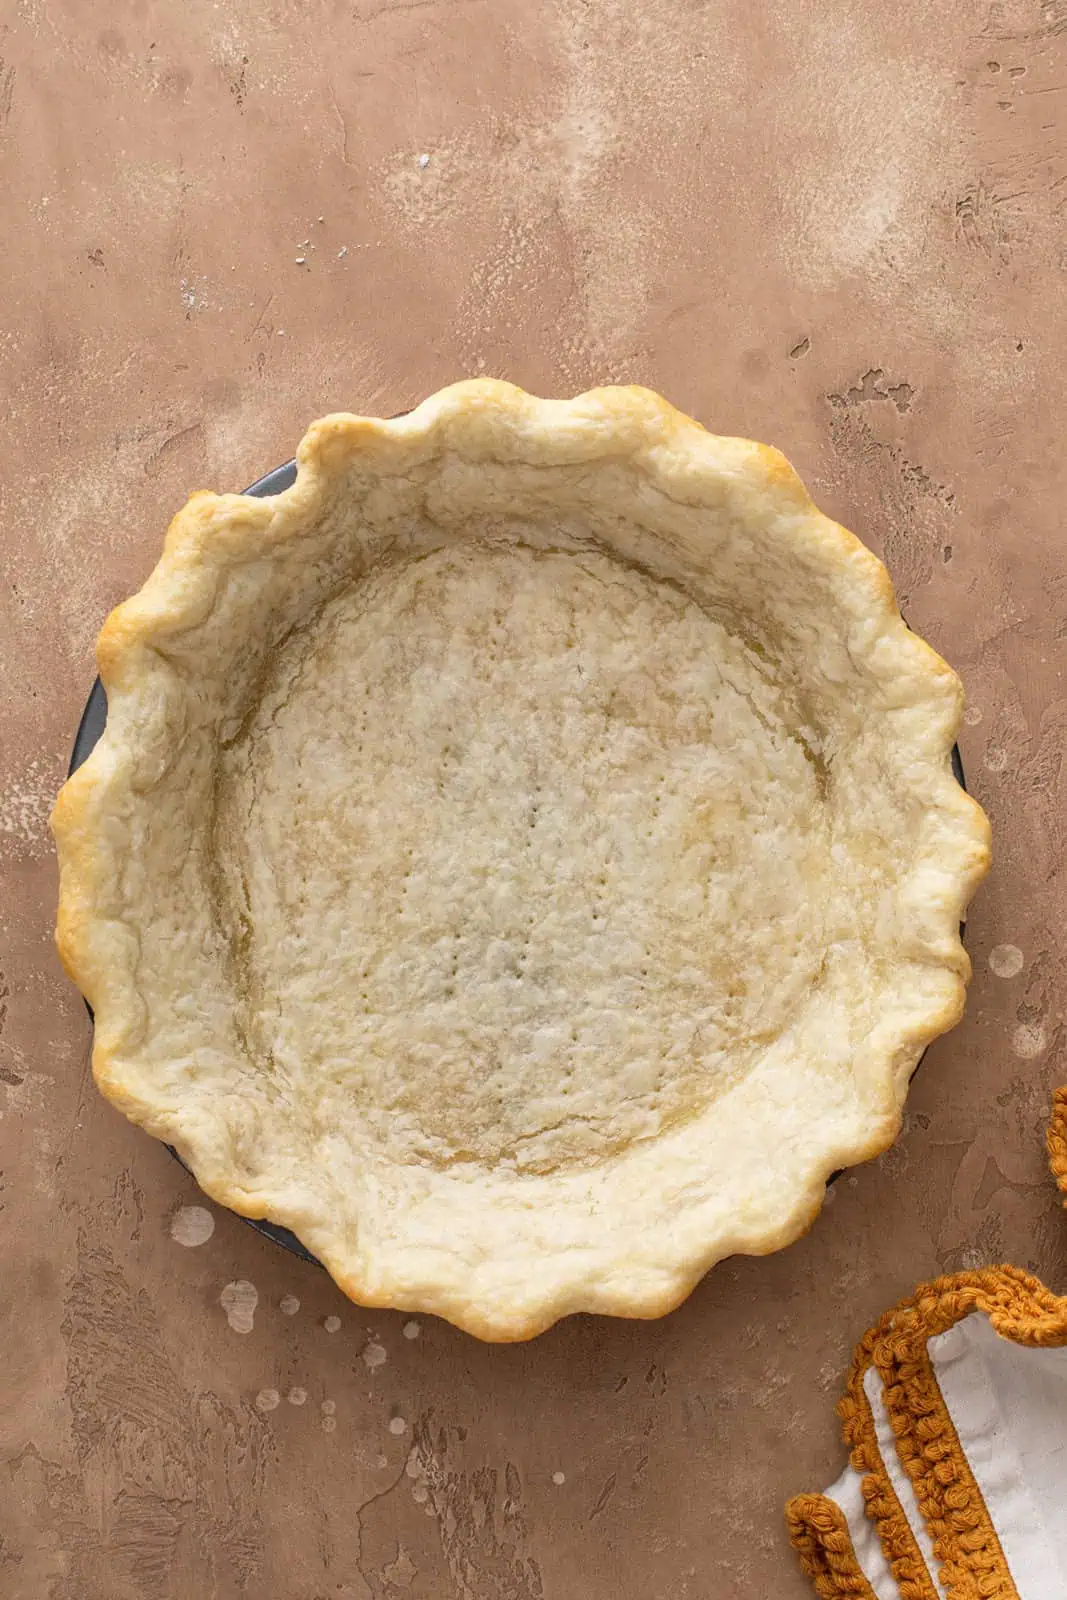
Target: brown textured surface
[{"x": 834, "y": 226}]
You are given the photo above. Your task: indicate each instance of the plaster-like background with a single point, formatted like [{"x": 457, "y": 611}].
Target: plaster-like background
[{"x": 834, "y": 225}]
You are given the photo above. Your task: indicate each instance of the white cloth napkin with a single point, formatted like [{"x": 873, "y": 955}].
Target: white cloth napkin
[{"x": 956, "y": 1420}]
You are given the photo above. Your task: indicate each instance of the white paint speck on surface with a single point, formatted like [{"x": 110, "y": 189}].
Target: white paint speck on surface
[
  {"x": 328, "y": 1408},
  {"x": 329, "y": 1424},
  {"x": 267, "y": 1400},
  {"x": 297, "y": 1396},
  {"x": 239, "y": 1301},
  {"x": 300, "y": 261},
  {"x": 972, "y": 716},
  {"x": 411, "y": 1330},
  {"x": 1006, "y": 960},
  {"x": 374, "y": 1355},
  {"x": 996, "y": 759},
  {"x": 424, "y": 160},
  {"x": 191, "y": 1226},
  {"x": 1030, "y": 1040},
  {"x": 558, "y": 1478},
  {"x": 342, "y": 252},
  {"x": 397, "y": 1425},
  {"x": 288, "y": 1305},
  {"x": 25, "y": 802},
  {"x": 332, "y": 1324}
]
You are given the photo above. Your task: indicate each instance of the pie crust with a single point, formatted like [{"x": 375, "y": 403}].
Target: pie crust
[{"x": 523, "y": 857}]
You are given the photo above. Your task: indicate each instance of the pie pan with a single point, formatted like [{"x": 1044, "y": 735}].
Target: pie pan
[{"x": 523, "y": 858}]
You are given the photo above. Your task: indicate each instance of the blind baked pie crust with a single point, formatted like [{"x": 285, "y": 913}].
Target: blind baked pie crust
[{"x": 523, "y": 856}]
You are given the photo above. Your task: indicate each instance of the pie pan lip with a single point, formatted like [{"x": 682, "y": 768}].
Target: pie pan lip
[{"x": 90, "y": 729}]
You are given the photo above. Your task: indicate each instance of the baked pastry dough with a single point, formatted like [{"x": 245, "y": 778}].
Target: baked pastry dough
[{"x": 523, "y": 857}]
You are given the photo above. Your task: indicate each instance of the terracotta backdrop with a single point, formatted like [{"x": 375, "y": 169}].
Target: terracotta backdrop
[{"x": 834, "y": 225}]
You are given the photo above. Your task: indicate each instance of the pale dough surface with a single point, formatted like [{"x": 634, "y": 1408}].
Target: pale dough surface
[
  {"x": 531, "y": 859},
  {"x": 523, "y": 857}
]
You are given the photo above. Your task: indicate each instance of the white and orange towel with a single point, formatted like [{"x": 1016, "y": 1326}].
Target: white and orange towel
[{"x": 955, "y": 1417}]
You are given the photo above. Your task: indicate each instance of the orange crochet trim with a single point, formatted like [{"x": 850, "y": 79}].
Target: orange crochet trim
[
  {"x": 819, "y": 1532},
  {"x": 1019, "y": 1308},
  {"x": 906, "y": 1561},
  {"x": 972, "y": 1562},
  {"x": 1056, "y": 1140}
]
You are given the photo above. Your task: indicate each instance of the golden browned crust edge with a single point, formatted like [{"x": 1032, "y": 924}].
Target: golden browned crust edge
[{"x": 640, "y": 422}]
